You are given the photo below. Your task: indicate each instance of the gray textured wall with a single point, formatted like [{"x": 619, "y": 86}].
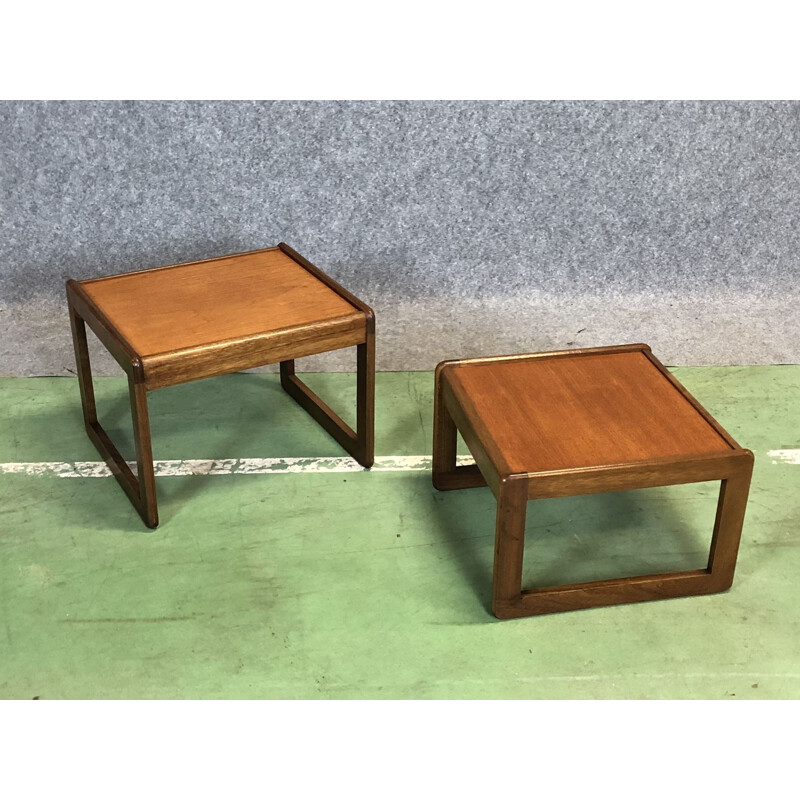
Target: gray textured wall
[{"x": 471, "y": 227}]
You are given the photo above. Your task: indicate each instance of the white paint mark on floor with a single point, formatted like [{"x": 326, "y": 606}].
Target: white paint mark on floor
[
  {"x": 262, "y": 466},
  {"x": 787, "y": 456},
  {"x": 226, "y": 466}
]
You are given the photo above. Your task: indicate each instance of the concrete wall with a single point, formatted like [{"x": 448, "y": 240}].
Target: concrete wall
[{"x": 471, "y": 227}]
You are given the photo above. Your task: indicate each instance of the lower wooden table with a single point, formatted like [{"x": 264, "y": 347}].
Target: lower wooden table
[
  {"x": 175, "y": 324},
  {"x": 581, "y": 422}
]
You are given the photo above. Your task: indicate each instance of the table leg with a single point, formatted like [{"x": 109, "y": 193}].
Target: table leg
[
  {"x": 84, "y": 367},
  {"x": 365, "y": 401},
  {"x": 446, "y": 475},
  {"x": 728, "y": 526},
  {"x": 148, "y": 506},
  {"x": 717, "y": 577},
  {"x": 141, "y": 490},
  {"x": 512, "y": 507},
  {"x": 361, "y": 444}
]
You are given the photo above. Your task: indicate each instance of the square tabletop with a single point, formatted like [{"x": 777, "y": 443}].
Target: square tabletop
[
  {"x": 561, "y": 411},
  {"x": 170, "y": 309}
]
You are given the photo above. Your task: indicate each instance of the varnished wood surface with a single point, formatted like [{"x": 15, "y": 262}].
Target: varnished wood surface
[
  {"x": 361, "y": 442},
  {"x": 190, "y": 305},
  {"x": 580, "y": 422},
  {"x": 220, "y": 358},
  {"x": 635, "y": 475},
  {"x": 170, "y": 325},
  {"x": 446, "y": 475},
  {"x": 87, "y": 311},
  {"x": 140, "y": 488},
  {"x": 510, "y": 600},
  {"x": 491, "y": 468},
  {"x": 560, "y": 413}
]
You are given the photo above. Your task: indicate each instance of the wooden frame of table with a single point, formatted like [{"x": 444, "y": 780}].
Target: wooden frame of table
[
  {"x": 458, "y": 408},
  {"x": 111, "y": 310}
]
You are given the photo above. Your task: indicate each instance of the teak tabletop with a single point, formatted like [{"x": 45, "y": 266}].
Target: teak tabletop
[
  {"x": 220, "y": 306},
  {"x": 179, "y": 323},
  {"x": 543, "y": 414},
  {"x": 580, "y": 422}
]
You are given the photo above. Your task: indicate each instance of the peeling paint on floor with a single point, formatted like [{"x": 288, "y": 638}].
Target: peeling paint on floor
[
  {"x": 787, "y": 456},
  {"x": 227, "y": 466}
]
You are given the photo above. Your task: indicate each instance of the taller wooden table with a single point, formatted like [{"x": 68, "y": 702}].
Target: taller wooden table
[
  {"x": 579, "y": 422},
  {"x": 175, "y": 324}
]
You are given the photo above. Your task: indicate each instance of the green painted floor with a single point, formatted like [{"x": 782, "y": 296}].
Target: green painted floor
[{"x": 372, "y": 585}]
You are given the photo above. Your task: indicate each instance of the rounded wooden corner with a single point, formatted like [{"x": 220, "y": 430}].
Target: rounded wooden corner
[
  {"x": 138, "y": 371},
  {"x": 71, "y": 287},
  {"x": 442, "y": 366},
  {"x": 438, "y": 484},
  {"x": 509, "y": 479},
  {"x": 504, "y": 610},
  {"x": 722, "y": 583}
]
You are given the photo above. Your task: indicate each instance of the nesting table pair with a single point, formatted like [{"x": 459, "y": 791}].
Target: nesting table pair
[{"x": 538, "y": 425}]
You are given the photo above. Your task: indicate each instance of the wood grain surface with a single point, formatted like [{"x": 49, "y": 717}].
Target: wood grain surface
[
  {"x": 545, "y": 414},
  {"x": 170, "y": 325},
  {"x": 579, "y": 422},
  {"x": 234, "y": 297}
]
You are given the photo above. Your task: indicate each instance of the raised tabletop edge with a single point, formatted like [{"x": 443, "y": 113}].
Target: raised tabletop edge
[
  {"x": 694, "y": 402},
  {"x": 576, "y": 352},
  {"x": 174, "y": 266},
  {"x": 493, "y": 450},
  {"x": 76, "y": 292},
  {"x": 330, "y": 282}
]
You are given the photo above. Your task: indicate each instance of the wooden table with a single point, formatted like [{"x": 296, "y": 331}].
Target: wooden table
[
  {"x": 180, "y": 323},
  {"x": 581, "y": 422}
]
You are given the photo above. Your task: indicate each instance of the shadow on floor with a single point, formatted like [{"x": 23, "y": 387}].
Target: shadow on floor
[{"x": 587, "y": 538}]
